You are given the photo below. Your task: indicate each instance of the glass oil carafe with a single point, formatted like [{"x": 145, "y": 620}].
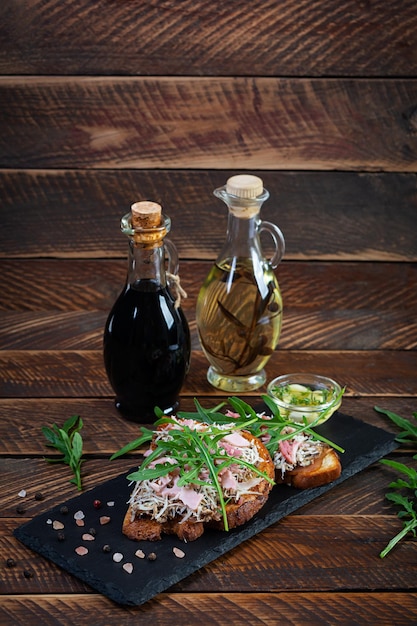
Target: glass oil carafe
[
  {"x": 146, "y": 337},
  {"x": 239, "y": 307}
]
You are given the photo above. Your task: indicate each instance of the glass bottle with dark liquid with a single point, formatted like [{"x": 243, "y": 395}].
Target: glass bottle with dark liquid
[
  {"x": 147, "y": 339},
  {"x": 239, "y": 307}
]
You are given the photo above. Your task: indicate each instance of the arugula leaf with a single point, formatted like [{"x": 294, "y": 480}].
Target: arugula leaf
[
  {"x": 68, "y": 441},
  {"x": 402, "y": 487},
  {"x": 259, "y": 425},
  {"x": 133, "y": 445},
  {"x": 409, "y": 432},
  {"x": 408, "y": 471},
  {"x": 205, "y": 415},
  {"x": 192, "y": 450}
]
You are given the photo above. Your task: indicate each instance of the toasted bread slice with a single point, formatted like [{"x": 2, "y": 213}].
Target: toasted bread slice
[
  {"x": 240, "y": 512},
  {"x": 139, "y": 525},
  {"x": 146, "y": 529},
  {"x": 322, "y": 470}
]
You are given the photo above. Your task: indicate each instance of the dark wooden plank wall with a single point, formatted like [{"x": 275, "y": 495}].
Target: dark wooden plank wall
[
  {"x": 193, "y": 37},
  {"x": 104, "y": 103}
]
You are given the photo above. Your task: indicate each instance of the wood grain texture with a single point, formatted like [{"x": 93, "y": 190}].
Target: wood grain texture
[
  {"x": 52, "y": 480},
  {"x": 361, "y": 537},
  {"x": 54, "y": 373},
  {"x": 303, "y": 328},
  {"x": 105, "y": 431},
  {"x": 323, "y": 215},
  {"x": 220, "y": 123},
  {"x": 200, "y": 38},
  {"x": 221, "y": 609},
  {"x": 39, "y": 286},
  {"x": 349, "y": 306}
]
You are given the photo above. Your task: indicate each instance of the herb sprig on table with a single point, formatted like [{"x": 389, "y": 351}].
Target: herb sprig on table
[
  {"x": 404, "y": 492},
  {"x": 68, "y": 441}
]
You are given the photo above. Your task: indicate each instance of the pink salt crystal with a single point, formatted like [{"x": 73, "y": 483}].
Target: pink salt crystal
[
  {"x": 104, "y": 519},
  {"x": 179, "y": 553},
  {"x": 128, "y": 567},
  {"x": 87, "y": 537},
  {"x": 81, "y": 550},
  {"x": 140, "y": 554},
  {"x": 117, "y": 557},
  {"x": 80, "y": 522},
  {"x": 56, "y": 525},
  {"x": 79, "y": 515}
]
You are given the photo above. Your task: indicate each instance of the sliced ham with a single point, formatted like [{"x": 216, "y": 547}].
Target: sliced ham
[
  {"x": 236, "y": 439},
  {"x": 158, "y": 485},
  {"x": 233, "y": 444},
  {"x": 227, "y": 480},
  {"x": 162, "y": 459},
  {"x": 188, "y": 496},
  {"x": 288, "y": 449}
]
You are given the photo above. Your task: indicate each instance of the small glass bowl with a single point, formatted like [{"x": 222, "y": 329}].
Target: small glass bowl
[{"x": 308, "y": 396}]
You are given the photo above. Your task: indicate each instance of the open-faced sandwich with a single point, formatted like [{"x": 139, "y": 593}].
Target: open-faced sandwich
[
  {"x": 197, "y": 475},
  {"x": 304, "y": 462},
  {"x": 302, "y": 458}
]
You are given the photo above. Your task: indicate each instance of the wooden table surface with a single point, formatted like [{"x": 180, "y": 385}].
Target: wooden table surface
[{"x": 354, "y": 321}]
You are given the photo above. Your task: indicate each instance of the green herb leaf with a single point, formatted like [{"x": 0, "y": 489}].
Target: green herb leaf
[
  {"x": 72, "y": 424},
  {"x": 68, "y": 442},
  {"x": 191, "y": 450},
  {"x": 259, "y": 426},
  {"x": 409, "y": 432},
  {"x": 404, "y": 469},
  {"x": 403, "y": 488},
  {"x": 134, "y": 445}
]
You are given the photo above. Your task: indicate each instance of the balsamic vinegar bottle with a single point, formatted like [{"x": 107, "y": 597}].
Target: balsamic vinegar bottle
[{"x": 146, "y": 338}]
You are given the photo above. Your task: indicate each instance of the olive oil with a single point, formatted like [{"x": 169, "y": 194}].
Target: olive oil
[
  {"x": 239, "y": 307},
  {"x": 239, "y": 318}
]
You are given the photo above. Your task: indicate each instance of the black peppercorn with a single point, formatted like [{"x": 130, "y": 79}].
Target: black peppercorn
[
  {"x": 63, "y": 510},
  {"x": 28, "y": 573},
  {"x": 106, "y": 548},
  {"x": 39, "y": 495},
  {"x": 20, "y": 509},
  {"x": 10, "y": 562}
]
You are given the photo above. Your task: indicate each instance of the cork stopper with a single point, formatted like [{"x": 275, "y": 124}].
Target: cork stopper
[
  {"x": 146, "y": 214},
  {"x": 245, "y": 186}
]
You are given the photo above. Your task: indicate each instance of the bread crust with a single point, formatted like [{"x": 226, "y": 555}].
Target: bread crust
[
  {"x": 323, "y": 470},
  {"x": 238, "y": 513}
]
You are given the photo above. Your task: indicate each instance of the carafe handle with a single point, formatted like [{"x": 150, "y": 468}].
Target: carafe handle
[
  {"x": 278, "y": 239},
  {"x": 171, "y": 254}
]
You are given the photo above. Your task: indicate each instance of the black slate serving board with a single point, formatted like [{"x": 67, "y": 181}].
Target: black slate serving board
[{"x": 363, "y": 444}]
